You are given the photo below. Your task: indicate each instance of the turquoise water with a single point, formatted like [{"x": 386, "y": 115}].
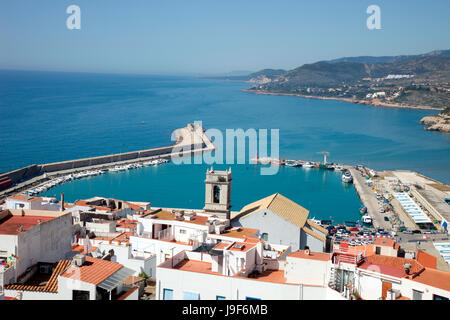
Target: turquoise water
[
  {"x": 48, "y": 117},
  {"x": 175, "y": 186}
]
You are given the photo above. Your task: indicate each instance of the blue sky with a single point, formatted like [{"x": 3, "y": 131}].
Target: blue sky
[{"x": 210, "y": 36}]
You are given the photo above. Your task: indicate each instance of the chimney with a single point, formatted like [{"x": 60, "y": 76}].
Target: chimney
[
  {"x": 407, "y": 267},
  {"x": 62, "y": 202}
]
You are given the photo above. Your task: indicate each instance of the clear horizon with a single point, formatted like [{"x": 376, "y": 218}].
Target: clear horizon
[{"x": 204, "y": 38}]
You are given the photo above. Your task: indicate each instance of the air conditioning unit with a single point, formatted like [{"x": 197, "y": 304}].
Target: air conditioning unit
[
  {"x": 392, "y": 294},
  {"x": 78, "y": 260}
]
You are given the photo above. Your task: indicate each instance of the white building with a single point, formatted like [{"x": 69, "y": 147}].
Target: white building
[
  {"x": 26, "y": 202},
  {"x": 203, "y": 275},
  {"x": 282, "y": 221},
  {"x": 31, "y": 236},
  {"x": 83, "y": 278}
]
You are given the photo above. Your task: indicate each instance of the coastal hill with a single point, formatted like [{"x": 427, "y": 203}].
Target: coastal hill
[
  {"x": 391, "y": 59},
  {"x": 416, "y": 81}
]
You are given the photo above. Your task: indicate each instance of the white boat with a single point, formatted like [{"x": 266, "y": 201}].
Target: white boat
[
  {"x": 292, "y": 163},
  {"x": 347, "y": 177},
  {"x": 366, "y": 219},
  {"x": 339, "y": 168},
  {"x": 308, "y": 165}
]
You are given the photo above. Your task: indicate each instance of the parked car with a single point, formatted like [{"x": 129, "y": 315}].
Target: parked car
[
  {"x": 353, "y": 229},
  {"x": 417, "y": 231},
  {"x": 408, "y": 231},
  {"x": 386, "y": 219}
]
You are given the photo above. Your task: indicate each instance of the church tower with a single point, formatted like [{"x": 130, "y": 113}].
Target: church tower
[{"x": 218, "y": 193}]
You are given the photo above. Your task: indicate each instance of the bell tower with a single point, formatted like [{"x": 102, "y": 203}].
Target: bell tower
[{"x": 218, "y": 193}]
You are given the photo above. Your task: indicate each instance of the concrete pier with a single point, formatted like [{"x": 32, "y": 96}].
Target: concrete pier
[
  {"x": 189, "y": 140},
  {"x": 368, "y": 198}
]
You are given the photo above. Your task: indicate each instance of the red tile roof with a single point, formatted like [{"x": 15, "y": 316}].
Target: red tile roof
[
  {"x": 12, "y": 223},
  {"x": 434, "y": 278},
  {"x": 312, "y": 255},
  {"x": 24, "y": 197},
  {"x": 386, "y": 243},
  {"x": 80, "y": 249},
  {"x": 93, "y": 271},
  {"x": 427, "y": 260},
  {"x": 390, "y": 265}
]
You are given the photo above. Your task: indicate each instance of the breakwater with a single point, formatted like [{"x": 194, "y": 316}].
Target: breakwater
[{"x": 189, "y": 140}]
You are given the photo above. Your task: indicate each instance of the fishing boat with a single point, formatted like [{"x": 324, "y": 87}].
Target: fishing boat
[{"x": 347, "y": 177}]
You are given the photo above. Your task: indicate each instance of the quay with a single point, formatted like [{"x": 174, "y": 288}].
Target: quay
[{"x": 190, "y": 140}]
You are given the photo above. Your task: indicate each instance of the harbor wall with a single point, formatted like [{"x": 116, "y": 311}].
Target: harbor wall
[
  {"x": 35, "y": 170},
  {"x": 22, "y": 173}
]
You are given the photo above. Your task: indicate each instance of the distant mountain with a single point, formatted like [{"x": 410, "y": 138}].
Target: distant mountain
[
  {"x": 391, "y": 59},
  {"x": 326, "y": 74},
  {"x": 419, "y": 80},
  {"x": 269, "y": 73}
]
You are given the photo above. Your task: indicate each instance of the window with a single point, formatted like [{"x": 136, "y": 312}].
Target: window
[
  {"x": 80, "y": 295},
  {"x": 265, "y": 236},
  {"x": 377, "y": 250},
  {"x": 166, "y": 256},
  {"x": 436, "y": 297},
  {"x": 417, "y": 295},
  {"x": 220, "y": 298},
  {"x": 182, "y": 231},
  {"x": 251, "y": 298},
  {"x": 191, "y": 295},
  {"x": 216, "y": 196},
  {"x": 167, "y": 294}
]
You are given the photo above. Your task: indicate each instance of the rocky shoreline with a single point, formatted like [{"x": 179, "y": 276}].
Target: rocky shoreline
[
  {"x": 436, "y": 122},
  {"x": 374, "y": 102}
]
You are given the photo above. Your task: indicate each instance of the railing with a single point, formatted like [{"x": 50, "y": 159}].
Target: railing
[{"x": 165, "y": 235}]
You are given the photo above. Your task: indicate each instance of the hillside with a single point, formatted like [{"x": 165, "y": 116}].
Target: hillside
[{"x": 417, "y": 81}]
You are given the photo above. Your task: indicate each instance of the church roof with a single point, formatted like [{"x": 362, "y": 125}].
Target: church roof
[{"x": 280, "y": 205}]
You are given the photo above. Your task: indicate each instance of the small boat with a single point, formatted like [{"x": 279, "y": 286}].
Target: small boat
[
  {"x": 347, "y": 177},
  {"x": 338, "y": 168},
  {"x": 308, "y": 165},
  {"x": 363, "y": 209},
  {"x": 366, "y": 219},
  {"x": 292, "y": 163}
]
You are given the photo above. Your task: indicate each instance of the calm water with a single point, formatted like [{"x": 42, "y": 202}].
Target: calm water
[{"x": 46, "y": 117}]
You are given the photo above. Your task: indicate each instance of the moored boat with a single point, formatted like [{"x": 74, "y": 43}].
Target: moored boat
[{"x": 347, "y": 177}]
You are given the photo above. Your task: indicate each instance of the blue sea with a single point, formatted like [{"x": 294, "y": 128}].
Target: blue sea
[{"x": 49, "y": 116}]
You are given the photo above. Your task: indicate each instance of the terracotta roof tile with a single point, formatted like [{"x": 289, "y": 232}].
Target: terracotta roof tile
[
  {"x": 94, "y": 271},
  {"x": 312, "y": 255},
  {"x": 280, "y": 205},
  {"x": 434, "y": 278},
  {"x": 390, "y": 265}
]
